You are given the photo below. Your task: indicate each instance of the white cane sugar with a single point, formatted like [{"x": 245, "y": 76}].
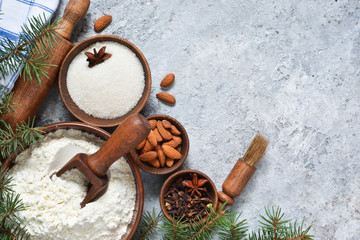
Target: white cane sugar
[{"x": 110, "y": 89}]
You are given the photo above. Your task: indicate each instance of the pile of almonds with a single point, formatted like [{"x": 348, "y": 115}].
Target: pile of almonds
[{"x": 162, "y": 146}]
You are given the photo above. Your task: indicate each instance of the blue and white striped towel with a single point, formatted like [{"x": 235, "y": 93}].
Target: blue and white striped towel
[{"x": 14, "y": 14}]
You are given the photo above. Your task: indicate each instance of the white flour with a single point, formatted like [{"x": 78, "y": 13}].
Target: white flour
[
  {"x": 110, "y": 89},
  {"x": 53, "y": 205}
]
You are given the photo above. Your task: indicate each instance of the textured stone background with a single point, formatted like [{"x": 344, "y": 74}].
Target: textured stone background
[{"x": 287, "y": 68}]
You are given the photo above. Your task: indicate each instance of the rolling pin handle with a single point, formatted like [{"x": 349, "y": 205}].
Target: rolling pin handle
[{"x": 74, "y": 11}]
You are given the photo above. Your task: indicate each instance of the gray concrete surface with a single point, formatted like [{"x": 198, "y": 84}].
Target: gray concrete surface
[{"x": 288, "y": 69}]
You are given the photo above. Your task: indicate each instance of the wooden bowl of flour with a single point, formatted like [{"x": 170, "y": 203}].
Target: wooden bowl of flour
[
  {"x": 102, "y": 134},
  {"x": 106, "y": 94}
]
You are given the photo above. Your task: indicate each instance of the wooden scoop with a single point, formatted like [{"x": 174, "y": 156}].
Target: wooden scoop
[{"x": 126, "y": 137}]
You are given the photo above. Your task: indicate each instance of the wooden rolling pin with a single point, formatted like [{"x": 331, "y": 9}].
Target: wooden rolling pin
[
  {"x": 242, "y": 171},
  {"x": 29, "y": 95}
]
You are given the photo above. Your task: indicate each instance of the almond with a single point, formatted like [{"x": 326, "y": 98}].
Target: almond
[
  {"x": 147, "y": 147},
  {"x": 168, "y": 80},
  {"x": 172, "y": 143},
  {"x": 102, "y": 22},
  {"x": 157, "y": 135},
  {"x": 152, "y": 139},
  {"x": 177, "y": 139},
  {"x": 179, "y": 148},
  {"x": 169, "y": 162},
  {"x": 166, "y": 124},
  {"x": 163, "y": 132},
  {"x": 155, "y": 163},
  {"x": 153, "y": 124},
  {"x": 141, "y": 145},
  {"x": 148, "y": 156},
  {"x": 161, "y": 156},
  {"x": 166, "y": 97},
  {"x": 171, "y": 152},
  {"x": 174, "y": 130}
]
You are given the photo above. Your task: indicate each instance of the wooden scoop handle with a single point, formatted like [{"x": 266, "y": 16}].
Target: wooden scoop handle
[
  {"x": 125, "y": 138},
  {"x": 74, "y": 11},
  {"x": 235, "y": 182}
]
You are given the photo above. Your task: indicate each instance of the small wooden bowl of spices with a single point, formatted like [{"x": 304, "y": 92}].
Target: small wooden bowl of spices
[
  {"x": 188, "y": 194},
  {"x": 166, "y": 147},
  {"x": 104, "y": 79}
]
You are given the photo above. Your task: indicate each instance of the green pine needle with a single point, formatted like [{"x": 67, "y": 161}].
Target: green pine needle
[
  {"x": 10, "y": 205},
  {"x": 297, "y": 232},
  {"x": 12, "y": 141},
  {"x": 7, "y": 103},
  {"x": 227, "y": 225},
  {"x": 231, "y": 228},
  {"x": 273, "y": 221},
  {"x": 174, "y": 229},
  {"x": 148, "y": 226},
  {"x": 202, "y": 229},
  {"x": 31, "y": 50},
  {"x": 5, "y": 183}
]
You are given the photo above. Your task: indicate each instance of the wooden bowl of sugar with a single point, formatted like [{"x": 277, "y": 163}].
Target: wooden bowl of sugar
[{"x": 107, "y": 93}]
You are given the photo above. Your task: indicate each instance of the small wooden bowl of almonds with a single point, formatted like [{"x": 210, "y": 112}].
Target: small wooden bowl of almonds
[{"x": 166, "y": 147}]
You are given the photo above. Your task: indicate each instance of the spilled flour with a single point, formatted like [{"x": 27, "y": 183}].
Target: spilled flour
[{"x": 53, "y": 205}]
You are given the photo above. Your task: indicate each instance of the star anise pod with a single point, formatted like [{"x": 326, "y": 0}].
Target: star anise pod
[
  {"x": 97, "y": 57},
  {"x": 195, "y": 185}
]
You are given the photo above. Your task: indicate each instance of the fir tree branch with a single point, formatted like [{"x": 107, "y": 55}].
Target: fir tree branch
[
  {"x": 148, "y": 225},
  {"x": 10, "y": 205},
  {"x": 174, "y": 229},
  {"x": 273, "y": 222},
  {"x": 297, "y": 233},
  {"x": 12, "y": 141},
  {"x": 7, "y": 103},
  {"x": 6, "y": 233},
  {"x": 13, "y": 232},
  {"x": 231, "y": 228},
  {"x": 5, "y": 183},
  {"x": 261, "y": 234},
  {"x": 201, "y": 230},
  {"x": 30, "y": 50},
  {"x": 228, "y": 226}
]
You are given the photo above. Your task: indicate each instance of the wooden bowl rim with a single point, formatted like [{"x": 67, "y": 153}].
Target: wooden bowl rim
[
  {"x": 173, "y": 177},
  {"x": 184, "y": 149},
  {"x": 81, "y": 114},
  {"x": 101, "y": 133}
]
